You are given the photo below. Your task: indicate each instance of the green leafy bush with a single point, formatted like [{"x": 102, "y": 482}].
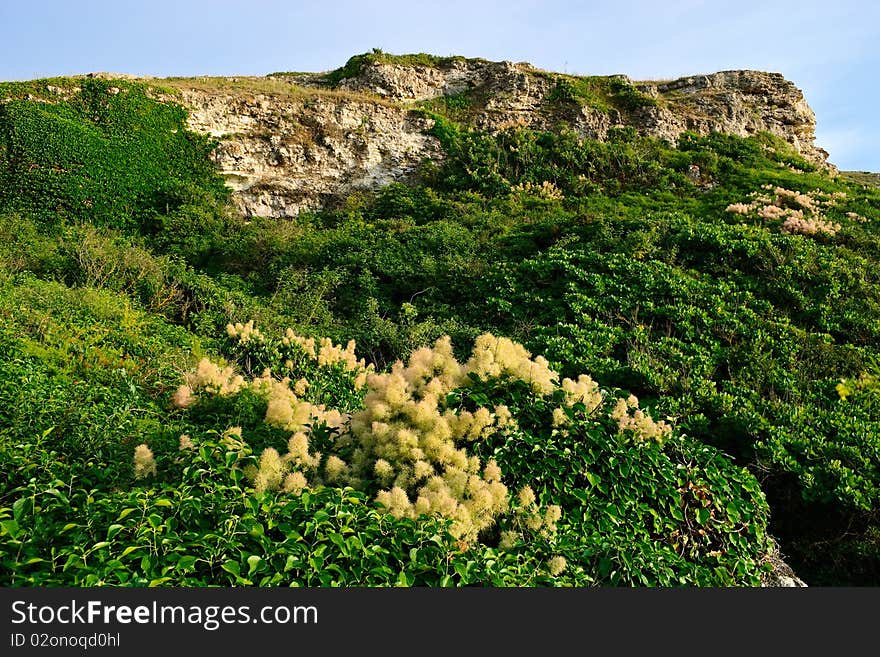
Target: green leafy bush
[
  {"x": 110, "y": 154},
  {"x": 353, "y": 67},
  {"x": 590, "y": 472}
]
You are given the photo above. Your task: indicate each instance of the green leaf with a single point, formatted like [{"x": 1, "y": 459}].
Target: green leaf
[
  {"x": 9, "y": 527},
  {"x": 112, "y": 530},
  {"x": 186, "y": 562},
  {"x": 20, "y": 507},
  {"x": 463, "y": 570},
  {"x": 54, "y": 492},
  {"x": 232, "y": 567},
  {"x": 255, "y": 563},
  {"x": 125, "y": 513},
  {"x": 733, "y": 512}
]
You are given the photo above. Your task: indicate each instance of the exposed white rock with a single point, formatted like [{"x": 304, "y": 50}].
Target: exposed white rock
[
  {"x": 781, "y": 575},
  {"x": 283, "y": 153}
]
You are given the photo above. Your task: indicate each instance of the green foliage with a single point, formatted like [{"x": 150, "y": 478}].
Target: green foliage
[
  {"x": 88, "y": 374},
  {"x": 591, "y": 91},
  {"x": 460, "y": 107},
  {"x": 353, "y": 67},
  {"x": 492, "y": 165},
  {"x": 603, "y": 93},
  {"x": 635, "y": 514},
  {"x": 205, "y": 529},
  {"x": 110, "y": 155},
  {"x": 742, "y": 374},
  {"x": 121, "y": 261},
  {"x": 626, "y": 97}
]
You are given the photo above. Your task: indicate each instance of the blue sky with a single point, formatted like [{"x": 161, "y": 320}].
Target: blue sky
[{"x": 831, "y": 50}]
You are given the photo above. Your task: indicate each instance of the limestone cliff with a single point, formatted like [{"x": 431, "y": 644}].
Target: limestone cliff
[
  {"x": 283, "y": 153},
  {"x": 290, "y": 142}
]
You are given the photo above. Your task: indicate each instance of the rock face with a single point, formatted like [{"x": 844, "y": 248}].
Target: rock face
[
  {"x": 307, "y": 145},
  {"x": 781, "y": 575},
  {"x": 736, "y": 102},
  {"x": 285, "y": 154}
]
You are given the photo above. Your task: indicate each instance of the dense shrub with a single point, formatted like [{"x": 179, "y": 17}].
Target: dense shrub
[
  {"x": 109, "y": 154},
  {"x": 458, "y": 440}
]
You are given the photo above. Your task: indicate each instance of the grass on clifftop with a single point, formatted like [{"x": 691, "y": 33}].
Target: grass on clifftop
[{"x": 353, "y": 67}]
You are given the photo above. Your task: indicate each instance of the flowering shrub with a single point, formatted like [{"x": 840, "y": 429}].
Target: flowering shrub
[
  {"x": 405, "y": 442},
  {"x": 451, "y": 440},
  {"x": 546, "y": 190},
  {"x": 800, "y": 213},
  {"x": 144, "y": 463},
  {"x": 809, "y": 226},
  {"x": 630, "y": 418}
]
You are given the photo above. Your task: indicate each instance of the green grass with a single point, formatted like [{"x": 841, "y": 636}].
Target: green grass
[
  {"x": 353, "y": 67},
  {"x": 862, "y": 178},
  {"x": 598, "y": 92}
]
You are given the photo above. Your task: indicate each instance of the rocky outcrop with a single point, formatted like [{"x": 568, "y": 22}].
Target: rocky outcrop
[
  {"x": 735, "y": 102},
  {"x": 283, "y": 152},
  {"x": 780, "y": 574}
]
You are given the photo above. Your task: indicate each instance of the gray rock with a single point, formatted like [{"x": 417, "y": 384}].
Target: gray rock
[
  {"x": 282, "y": 155},
  {"x": 781, "y": 574},
  {"x": 285, "y": 153}
]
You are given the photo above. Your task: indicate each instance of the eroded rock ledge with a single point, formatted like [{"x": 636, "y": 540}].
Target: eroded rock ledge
[{"x": 294, "y": 142}]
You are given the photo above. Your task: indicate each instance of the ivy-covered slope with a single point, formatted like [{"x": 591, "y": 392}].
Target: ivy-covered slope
[{"x": 720, "y": 295}]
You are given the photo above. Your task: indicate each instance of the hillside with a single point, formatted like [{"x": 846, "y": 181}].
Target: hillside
[
  {"x": 604, "y": 332},
  {"x": 294, "y": 142}
]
